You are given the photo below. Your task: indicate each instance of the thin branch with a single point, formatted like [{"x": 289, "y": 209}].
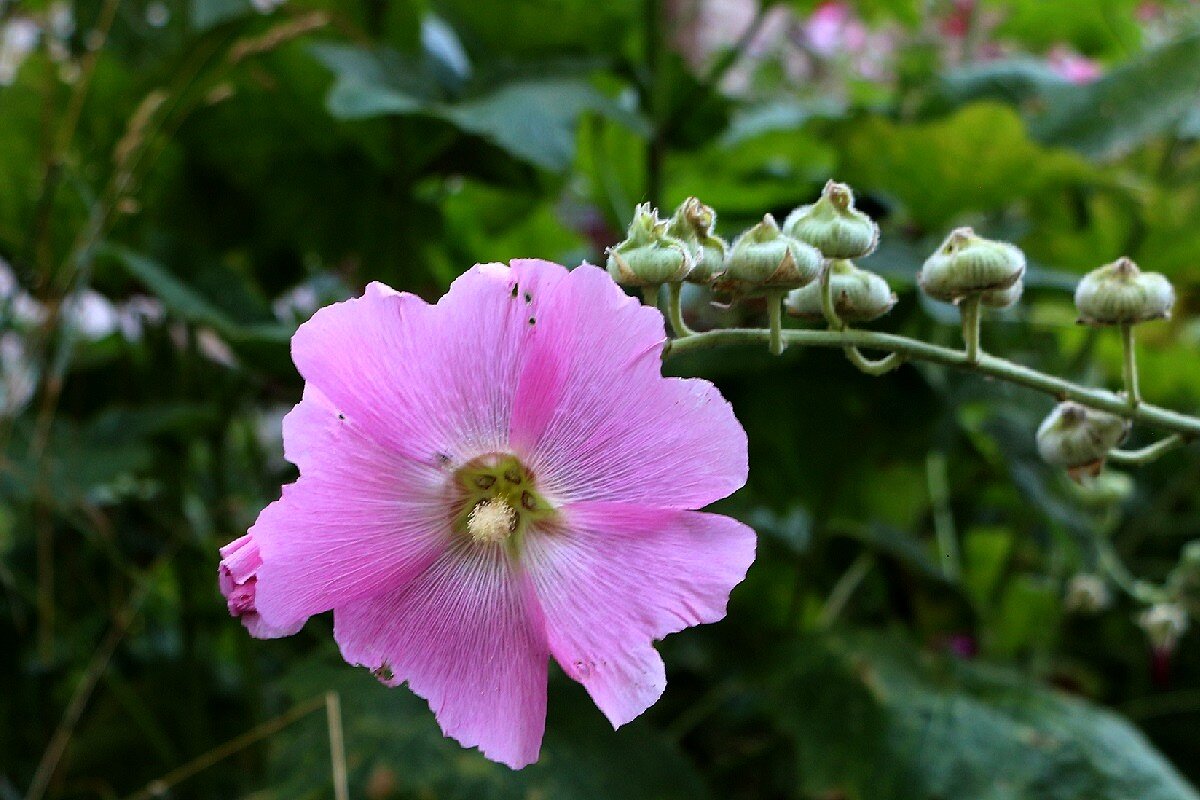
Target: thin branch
[
  {"x": 675, "y": 310},
  {"x": 845, "y": 587},
  {"x": 1129, "y": 365},
  {"x": 876, "y": 368},
  {"x": 916, "y": 350},
  {"x": 1150, "y": 452}
]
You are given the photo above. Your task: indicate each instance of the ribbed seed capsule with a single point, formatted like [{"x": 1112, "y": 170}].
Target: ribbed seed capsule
[
  {"x": 833, "y": 225},
  {"x": 649, "y": 256},
  {"x": 858, "y": 294},
  {"x": 764, "y": 259},
  {"x": 1121, "y": 294},
  {"x": 966, "y": 264},
  {"x": 1079, "y": 438},
  {"x": 693, "y": 223}
]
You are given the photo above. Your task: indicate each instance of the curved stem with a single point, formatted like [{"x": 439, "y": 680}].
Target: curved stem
[
  {"x": 775, "y": 319},
  {"x": 970, "y": 326},
  {"x": 674, "y": 311},
  {"x": 880, "y": 367},
  {"x": 1150, "y": 452},
  {"x": 843, "y": 590},
  {"x": 650, "y": 295},
  {"x": 916, "y": 350},
  {"x": 827, "y": 305},
  {"x": 1129, "y": 370}
]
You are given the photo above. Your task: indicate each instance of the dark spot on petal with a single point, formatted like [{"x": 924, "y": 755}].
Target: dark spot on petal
[
  {"x": 515, "y": 289},
  {"x": 528, "y": 297},
  {"x": 532, "y": 320},
  {"x": 384, "y": 673},
  {"x": 341, "y": 416},
  {"x": 442, "y": 458}
]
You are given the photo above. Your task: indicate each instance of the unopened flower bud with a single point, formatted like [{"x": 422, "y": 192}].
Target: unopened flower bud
[
  {"x": 649, "y": 256},
  {"x": 1079, "y": 438},
  {"x": 858, "y": 295},
  {"x": 1087, "y": 594},
  {"x": 1164, "y": 623},
  {"x": 1003, "y": 298},
  {"x": 1109, "y": 488},
  {"x": 693, "y": 224},
  {"x": 765, "y": 259},
  {"x": 967, "y": 264},
  {"x": 1191, "y": 553},
  {"x": 1121, "y": 294},
  {"x": 833, "y": 225}
]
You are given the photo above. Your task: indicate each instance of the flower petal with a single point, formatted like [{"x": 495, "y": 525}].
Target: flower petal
[
  {"x": 596, "y": 419},
  {"x": 615, "y": 577},
  {"x": 467, "y": 638},
  {"x": 428, "y": 381},
  {"x": 362, "y": 519},
  {"x": 237, "y": 578}
]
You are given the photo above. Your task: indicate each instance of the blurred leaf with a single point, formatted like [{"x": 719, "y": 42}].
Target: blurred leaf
[
  {"x": 210, "y": 13},
  {"x": 393, "y": 741},
  {"x": 1140, "y": 99},
  {"x": 978, "y": 159},
  {"x": 181, "y": 300},
  {"x": 875, "y": 719}
]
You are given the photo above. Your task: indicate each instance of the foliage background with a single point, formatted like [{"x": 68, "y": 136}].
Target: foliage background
[{"x": 181, "y": 183}]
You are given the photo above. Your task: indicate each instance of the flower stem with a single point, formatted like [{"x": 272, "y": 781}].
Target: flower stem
[
  {"x": 843, "y": 590},
  {"x": 880, "y": 367},
  {"x": 827, "y": 306},
  {"x": 674, "y": 311},
  {"x": 970, "y": 327},
  {"x": 943, "y": 520},
  {"x": 916, "y": 350},
  {"x": 1130, "y": 365},
  {"x": 650, "y": 295},
  {"x": 1148, "y": 453},
  {"x": 775, "y": 319}
]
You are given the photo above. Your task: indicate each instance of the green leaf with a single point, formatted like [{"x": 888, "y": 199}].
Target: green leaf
[
  {"x": 978, "y": 159},
  {"x": 392, "y": 739},
  {"x": 1141, "y": 99},
  {"x": 874, "y": 719},
  {"x": 183, "y": 301}
]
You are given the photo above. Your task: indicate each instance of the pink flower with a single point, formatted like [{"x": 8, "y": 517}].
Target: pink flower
[
  {"x": 1075, "y": 68},
  {"x": 491, "y": 481}
]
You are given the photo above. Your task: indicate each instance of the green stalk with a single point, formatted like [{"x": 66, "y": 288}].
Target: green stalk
[
  {"x": 970, "y": 326},
  {"x": 1129, "y": 370},
  {"x": 675, "y": 311},
  {"x": 775, "y": 320},
  {"x": 916, "y": 350}
]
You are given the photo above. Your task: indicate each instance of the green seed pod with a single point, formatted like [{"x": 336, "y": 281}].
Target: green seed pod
[
  {"x": 1079, "y": 438},
  {"x": 1121, "y": 294},
  {"x": 649, "y": 256},
  {"x": 765, "y": 259},
  {"x": 1164, "y": 623},
  {"x": 693, "y": 224},
  {"x": 858, "y": 295},
  {"x": 833, "y": 225},
  {"x": 1003, "y": 298},
  {"x": 967, "y": 265}
]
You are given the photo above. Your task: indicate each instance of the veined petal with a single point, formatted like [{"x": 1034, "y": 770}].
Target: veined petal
[
  {"x": 615, "y": 577},
  {"x": 431, "y": 382},
  {"x": 467, "y": 637},
  {"x": 361, "y": 520},
  {"x": 596, "y": 419}
]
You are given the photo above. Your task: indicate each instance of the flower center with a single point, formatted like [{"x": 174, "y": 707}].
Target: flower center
[
  {"x": 497, "y": 500},
  {"x": 491, "y": 521}
]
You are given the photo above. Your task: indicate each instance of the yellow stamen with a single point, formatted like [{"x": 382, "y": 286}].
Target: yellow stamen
[{"x": 491, "y": 521}]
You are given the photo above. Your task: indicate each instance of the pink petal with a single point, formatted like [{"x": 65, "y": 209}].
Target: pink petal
[
  {"x": 596, "y": 419},
  {"x": 362, "y": 519},
  {"x": 617, "y": 577},
  {"x": 468, "y": 639},
  {"x": 432, "y": 382},
  {"x": 237, "y": 578}
]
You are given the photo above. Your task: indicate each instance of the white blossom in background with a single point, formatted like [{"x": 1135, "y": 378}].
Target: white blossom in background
[
  {"x": 16, "y": 304},
  {"x": 157, "y": 15},
  {"x": 266, "y": 6},
  {"x": 701, "y": 29},
  {"x": 296, "y": 304},
  {"x": 18, "y": 374},
  {"x": 18, "y": 38},
  {"x": 92, "y": 315},
  {"x": 138, "y": 313}
]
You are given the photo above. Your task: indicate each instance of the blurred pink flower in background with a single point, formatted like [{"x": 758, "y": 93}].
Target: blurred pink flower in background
[
  {"x": 492, "y": 481},
  {"x": 1073, "y": 66}
]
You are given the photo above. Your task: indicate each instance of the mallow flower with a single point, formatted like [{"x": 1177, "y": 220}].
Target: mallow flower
[{"x": 492, "y": 481}]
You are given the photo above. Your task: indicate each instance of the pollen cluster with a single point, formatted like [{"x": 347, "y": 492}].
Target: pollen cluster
[{"x": 496, "y": 500}]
